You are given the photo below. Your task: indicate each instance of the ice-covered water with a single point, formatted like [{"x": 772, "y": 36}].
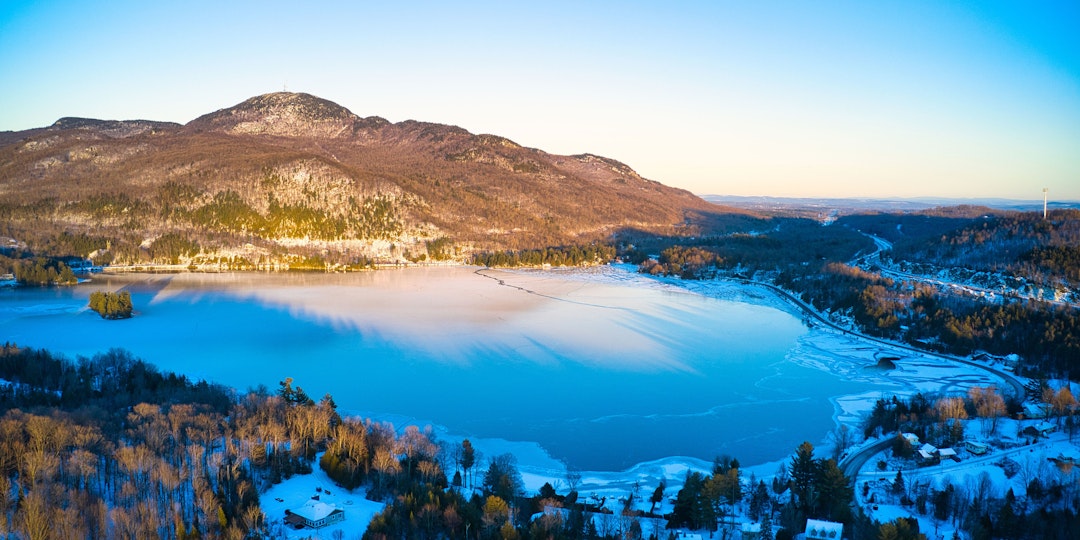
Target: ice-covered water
[{"x": 603, "y": 369}]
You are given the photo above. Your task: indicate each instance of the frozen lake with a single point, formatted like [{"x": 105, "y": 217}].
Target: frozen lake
[{"x": 602, "y": 368}]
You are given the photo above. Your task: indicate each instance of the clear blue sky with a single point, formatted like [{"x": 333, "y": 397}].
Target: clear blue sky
[{"x": 829, "y": 98}]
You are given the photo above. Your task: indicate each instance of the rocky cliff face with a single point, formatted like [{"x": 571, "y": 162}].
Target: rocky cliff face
[{"x": 288, "y": 172}]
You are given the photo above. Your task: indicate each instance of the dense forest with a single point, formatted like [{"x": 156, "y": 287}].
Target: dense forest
[
  {"x": 555, "y": 256},
  {"x": 1044, "y": 251}
]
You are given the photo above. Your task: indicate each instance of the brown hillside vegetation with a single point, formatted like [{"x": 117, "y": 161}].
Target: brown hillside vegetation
[{"x": 292, "y": 175}]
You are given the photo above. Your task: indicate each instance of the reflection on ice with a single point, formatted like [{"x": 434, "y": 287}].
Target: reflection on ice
[
  {"x": 454, "y": 314},
  {"x": 603, "y": 368}
]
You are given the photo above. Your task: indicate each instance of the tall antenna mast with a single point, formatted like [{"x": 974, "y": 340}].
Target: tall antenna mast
[{"x": 1044, "y": 202}]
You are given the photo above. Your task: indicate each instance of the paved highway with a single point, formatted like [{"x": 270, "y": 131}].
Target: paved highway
[{"x": 854, "y": 462}]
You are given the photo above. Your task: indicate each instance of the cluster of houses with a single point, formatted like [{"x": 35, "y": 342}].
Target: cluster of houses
[
  {"x": 928, "y": 454},
  {"x": 816, "y": 529}
]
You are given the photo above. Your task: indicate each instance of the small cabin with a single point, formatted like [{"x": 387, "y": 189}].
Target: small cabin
[
  {"x": 1036, "y": 411},
  {"x": 1042, "y": 429}
]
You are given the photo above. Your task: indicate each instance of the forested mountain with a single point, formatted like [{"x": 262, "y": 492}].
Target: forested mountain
[{"x": 286, "y": 176}]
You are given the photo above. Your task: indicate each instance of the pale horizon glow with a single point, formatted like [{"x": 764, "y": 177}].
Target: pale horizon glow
[{"x": 787, "y": 99}]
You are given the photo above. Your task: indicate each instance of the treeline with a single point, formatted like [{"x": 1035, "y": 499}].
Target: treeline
[
  {"x": 553, "y": 256},
  {"x": 42, "y": 271},
  {"x": 372, "y": 217},
  {"x": 193, "y": 222},
  {"x": 111, "y": 305},
  {"x": 1043, "y": 262},
  {"x": 797, "y": 245},
  {"x": 78, "y": 245},
  {"x": 1046, "y": 336},
  {"x": 171, "y": 247},
  {"x": 685, "y": 262},
  {"x": 938, "y": 419},
  {"x": 108, "y": 447},
  {"x": 1023, "y": 244}
]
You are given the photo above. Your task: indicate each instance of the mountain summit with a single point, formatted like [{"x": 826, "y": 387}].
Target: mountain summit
[
  {"x": 285, "y": 114},
  {"x": 292, "y": 175}
]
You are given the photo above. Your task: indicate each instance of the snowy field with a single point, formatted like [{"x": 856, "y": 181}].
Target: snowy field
[{"x": 297, "y": 490}]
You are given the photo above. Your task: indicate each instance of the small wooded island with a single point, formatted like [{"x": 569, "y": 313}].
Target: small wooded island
[{"x": 111, "y": 305}]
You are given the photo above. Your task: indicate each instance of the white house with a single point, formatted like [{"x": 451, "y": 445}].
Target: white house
[
  {"x": 976, "y": 448},
  {"x": 751, "y": 530},
  {"x": 948, "y": 453},
  {"x": 1036, "y": 410},
  {"x": 927, "y": 453},
  {"x": 686, "y": 535},
  {"x": 911, "y": 438},
  {"x": 315, "y": 514},
  {"x": 823, "y": 530}
]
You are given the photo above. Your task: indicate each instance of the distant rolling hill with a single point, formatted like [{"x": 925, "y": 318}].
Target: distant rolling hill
[
  {"x": 823, "y": 208},
  {"x": 293, "y": 174}
]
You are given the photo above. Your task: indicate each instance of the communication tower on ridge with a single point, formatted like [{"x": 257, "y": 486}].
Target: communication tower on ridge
[{"x": 1044, "y": 202}]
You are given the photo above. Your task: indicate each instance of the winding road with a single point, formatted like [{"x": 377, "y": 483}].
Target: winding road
[
  {"x": 1016, "y": 386},
  {"x": 854, "y": 462}
]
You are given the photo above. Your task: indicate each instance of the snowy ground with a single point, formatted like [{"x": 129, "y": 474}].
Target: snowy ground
[
  {"x": 297, "y": 490},
  {"x": 997, "y": 472}
]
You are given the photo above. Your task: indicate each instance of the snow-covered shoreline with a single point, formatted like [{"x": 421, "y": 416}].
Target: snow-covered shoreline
[
  {"x": 819, "y": 349},
  {"x": 327, "y": 303}
]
